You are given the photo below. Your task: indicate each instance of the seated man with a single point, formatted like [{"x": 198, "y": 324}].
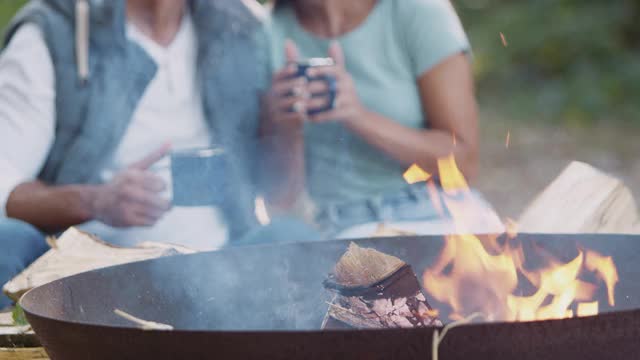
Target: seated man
[{"x": 91, "y": 95}]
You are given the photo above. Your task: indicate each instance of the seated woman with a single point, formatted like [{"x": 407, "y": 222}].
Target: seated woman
[{"x": 405, "y": 95}]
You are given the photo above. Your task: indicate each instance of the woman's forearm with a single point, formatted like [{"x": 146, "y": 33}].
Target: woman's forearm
[
  {"x": 281, "y": 132},
  {"x": 448, "y": 99},
  {"x": 420, "y": 146},
  {"x": 284, "y": 166}
]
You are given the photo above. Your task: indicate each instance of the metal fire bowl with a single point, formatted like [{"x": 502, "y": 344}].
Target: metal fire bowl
[{"x": 267, "y": 302}]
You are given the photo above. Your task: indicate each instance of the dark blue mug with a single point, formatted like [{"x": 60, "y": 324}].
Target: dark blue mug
[
  {"x": 303, "y": 66},
  {"x": 199, "y": 177}
]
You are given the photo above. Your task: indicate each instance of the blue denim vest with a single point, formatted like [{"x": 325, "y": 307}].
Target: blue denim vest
[{"x": 92, "y": 116}]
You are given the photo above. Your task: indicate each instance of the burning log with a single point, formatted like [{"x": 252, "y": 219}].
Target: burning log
[{"x": 376, "y": 290}]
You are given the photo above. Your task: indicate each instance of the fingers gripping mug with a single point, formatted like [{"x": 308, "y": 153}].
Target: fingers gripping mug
[{"x": 303, "y": 66}]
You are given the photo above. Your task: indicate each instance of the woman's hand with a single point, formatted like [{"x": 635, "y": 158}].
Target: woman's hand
[
  {"x": 284, "y": 113},
  {"x": 347, "y": 107},
  {"x": 285, "y": 102}
]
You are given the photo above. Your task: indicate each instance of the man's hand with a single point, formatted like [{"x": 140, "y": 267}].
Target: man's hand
[{"x": 133, "y": 197}]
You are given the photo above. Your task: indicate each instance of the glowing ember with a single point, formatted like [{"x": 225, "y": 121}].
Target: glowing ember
[
  {"x": 431, "y": 313},
  {"x": 487, "y": 275},
  {"x": 504, "y": 40}
]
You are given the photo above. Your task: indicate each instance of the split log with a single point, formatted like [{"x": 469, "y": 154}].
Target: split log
[
  {"x": 75, "y": 252},
  {"x": 14, "y": 340},
  {"x": 6, "y": 318},
  {"x": 376, "y": 290},
  {"x": 582, "y": 200},
  {"x": 37, "y": 353}
]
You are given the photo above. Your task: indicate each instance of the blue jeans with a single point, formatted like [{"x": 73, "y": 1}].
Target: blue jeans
[
  {"x": 281, "y": 230},
  {"x": 20, "y": 244},
  {"x": 411, "y": 203}
]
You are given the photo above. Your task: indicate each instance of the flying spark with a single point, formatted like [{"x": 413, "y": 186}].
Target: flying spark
[{"x": 504, "y": 40}]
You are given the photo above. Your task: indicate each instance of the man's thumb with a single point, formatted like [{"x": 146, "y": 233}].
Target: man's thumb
[{"x": 153, "y": 157}]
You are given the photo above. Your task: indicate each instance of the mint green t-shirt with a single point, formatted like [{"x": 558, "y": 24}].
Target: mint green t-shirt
[{"x": 398, "y": 42}]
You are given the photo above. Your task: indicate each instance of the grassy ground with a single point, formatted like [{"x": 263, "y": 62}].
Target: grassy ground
[{"x": 511, "y": 177}]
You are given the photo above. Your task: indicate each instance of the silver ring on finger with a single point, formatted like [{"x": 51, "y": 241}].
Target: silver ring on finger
[
  {"x": 296, "y": 91},
  {"x": 334, "y": 103},
  {"x": 297, "y": 107}
]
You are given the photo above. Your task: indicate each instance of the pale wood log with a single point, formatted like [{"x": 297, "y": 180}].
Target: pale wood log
[
  {"x": 582, "y": 200},
  {"x": 23, "y": 354},
  {"x": 6, "y": 330},
  {"x": 6, "y": 318},
  {"x": 12, "y": 336},
  {"x": 75, "y": 252}
]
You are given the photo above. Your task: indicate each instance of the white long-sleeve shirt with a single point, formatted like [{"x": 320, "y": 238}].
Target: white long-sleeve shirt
[{"x": 169, "y": 111}]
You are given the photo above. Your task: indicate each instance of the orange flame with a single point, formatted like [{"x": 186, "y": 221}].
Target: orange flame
[
  {"x": 482, "y": 274},
  {"x": 451, "y": 178},
  {"x": 588, "y": 309},
  {"x": 415, "y": 174},
  {"x": 606, "y": 270}
]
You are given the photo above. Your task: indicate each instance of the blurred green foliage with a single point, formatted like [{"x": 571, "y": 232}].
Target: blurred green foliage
[
  {"x": 572, "y": 61},
  {"x": 575, "y": 60},
  {"x": 18, "y": 316},
  {"x": 7, "y": 9}
]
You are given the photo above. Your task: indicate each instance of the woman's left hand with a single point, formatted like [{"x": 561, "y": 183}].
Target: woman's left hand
[{"x": 347, "y": 107}]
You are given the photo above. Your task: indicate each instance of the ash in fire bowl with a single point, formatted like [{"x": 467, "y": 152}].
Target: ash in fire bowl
[{"x": 270, "y": 301}]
